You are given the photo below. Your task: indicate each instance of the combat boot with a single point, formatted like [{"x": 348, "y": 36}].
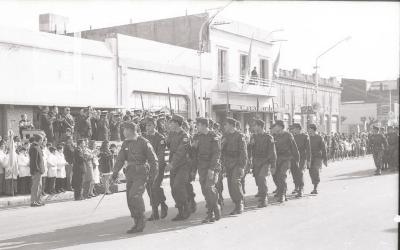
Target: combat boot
[
  {"x": 155, "y": 215},
  {"x": 164, "y": 210},
  {"x": 314, "y": 191},
  {"x": 209, "y": 217},
  {"x": 240, "y": 207},
  {"x": 186, "y": 211},
  {"x": 179, "y": 216},
  {"x": 299, "y": 193},
  {"x": 235, "y": 210},
  {"x": 193, "y": 206},
  {"x": 217, "y": 212},
  {"x": 282, "y": 198},
  {"x": 257, "y": 195},
  {"x": 140, "y": 225},
  {"x": 262, "y": 203},
  {"x": 133, "y": 229},
  {"x": 295, "y": 191}
]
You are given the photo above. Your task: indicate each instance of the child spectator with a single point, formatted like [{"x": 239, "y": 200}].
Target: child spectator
[
  {"x": 24, "y": 178},
  {"x": 61, "y": 177},
  {"x": 106, "y": 165},
  {"x": 51, "y": 171}
]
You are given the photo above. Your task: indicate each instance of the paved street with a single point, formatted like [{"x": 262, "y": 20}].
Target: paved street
[{"x": 354, "y": 210}]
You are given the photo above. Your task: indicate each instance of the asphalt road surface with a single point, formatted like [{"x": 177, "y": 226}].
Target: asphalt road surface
[{"x": 353, "y": 210}]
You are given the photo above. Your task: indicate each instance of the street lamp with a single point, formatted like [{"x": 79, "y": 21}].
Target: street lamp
[{"x": 316, "y": 68}]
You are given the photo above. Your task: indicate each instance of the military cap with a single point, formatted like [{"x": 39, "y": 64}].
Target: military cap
[
  {"x": 178, "y": 119},
  {"x": 259, "y": 122},
  {"x": 203, "y": 121},
  {"x": 151, "y": 120},
  {"x": 312, "y": 126},
  {"x": 278, "y": 123},
  {"x": 296, "y": 125},
  {"x": 231, "y": 121},
  {"x": 130, "y": 126}
]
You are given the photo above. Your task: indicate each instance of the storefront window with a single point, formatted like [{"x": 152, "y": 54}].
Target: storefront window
[{"x": 158, "y": 101}]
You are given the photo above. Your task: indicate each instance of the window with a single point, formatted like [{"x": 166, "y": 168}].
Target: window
[
  {"x": 222, "y": 64},
  {"x": 244, "y": 61},
  {"x": 264, "y": 69}
]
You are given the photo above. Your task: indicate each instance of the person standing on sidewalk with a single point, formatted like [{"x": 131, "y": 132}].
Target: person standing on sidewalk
[
  {"x": 318, "y": 156},
  {"x": 69, "y": 157},
  {"x": 78, "y": 169},
  {"x": 36, "y": 164},
  {"x": 106, "y": 165}
]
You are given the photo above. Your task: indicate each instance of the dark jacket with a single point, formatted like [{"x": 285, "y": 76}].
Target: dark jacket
[
  {"x": 36, "y": 162},
  {"x": 46, "y": 123},
  {"x": 69, "y": 154},
  {"x": 106, "y": 163}
]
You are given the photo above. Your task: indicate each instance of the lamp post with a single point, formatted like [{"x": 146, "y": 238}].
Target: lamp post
[{"x": 316, "y": 70}]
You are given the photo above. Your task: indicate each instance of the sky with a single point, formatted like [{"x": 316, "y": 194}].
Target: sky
[{"x": 310, "y": 28}]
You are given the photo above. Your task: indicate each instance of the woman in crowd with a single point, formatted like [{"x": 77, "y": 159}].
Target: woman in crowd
[
  {"x": 106, "y": 165},
  {"x": 24, "y": 173},
  {"x": 61, "y": 174},
  {"x": 51, "y": 171}
]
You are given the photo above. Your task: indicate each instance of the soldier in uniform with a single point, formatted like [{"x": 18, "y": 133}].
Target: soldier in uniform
[
  {"x": 377, "y": 144},
  {"x": 179, "y": 145},
  {"x": 262, "y": 157},
  {"x": 142, "y": 164},
  {"x": 393, "y": 148},
  {"x": 286, "y": 150},
  {"x": 303, "y": 145},
  {"x": 207, "y": 152},
  {"x": 220, "y": 184},
  {"x": 156, "y": 192},
  {"x": 318, "y": 155},
  {"x": 234, "y": 156},
  {"x": 192, "y": 172}
]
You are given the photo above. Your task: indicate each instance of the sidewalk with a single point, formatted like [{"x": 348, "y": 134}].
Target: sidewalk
[{"x": 25, "y": 200}]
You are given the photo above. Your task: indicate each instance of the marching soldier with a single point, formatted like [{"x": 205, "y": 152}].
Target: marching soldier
[
  {"x": 286, "y": 150},
  {"x": 318, "y": 155},
  {"x": 207, "y": 154},
  {"x": 179, "y": 145},
  {"x": 220, "y": 184},
  {"x": 234, "y": 156},
  {"x": 139, "y": 154},
  {"x": 377, "y": 144},
  {"x": 262, "y": 157},
  {"x": 303, "y": 145},
  {"x": 156, "y": 192},
  {"x": 192, "y": 172}
]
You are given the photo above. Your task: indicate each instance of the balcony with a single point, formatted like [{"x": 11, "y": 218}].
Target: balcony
[{"x": 246, "y": 86}]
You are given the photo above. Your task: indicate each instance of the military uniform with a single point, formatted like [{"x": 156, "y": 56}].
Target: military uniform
[
  {"x": 303, "y": 145},
  {"x": 263, "y": 155},
  {"x": 377, "y": 145},
  {"x": 156, "y": 192},
  {"x": 234, "y": 156},
  {"x": 142, "y": 163},
  {"x": 393, "y": 150},
  {"x": 207, "y": 152},
  {"x": 179, "y": 145},
  {"x": 286, "y": 151},
  {"x": 318, "y": 155}
]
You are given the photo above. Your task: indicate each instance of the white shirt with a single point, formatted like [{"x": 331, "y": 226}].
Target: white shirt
[
  {"x": 23, "y": 165},
  {"x": 52, "y": 165},
  {"x": 3, "y": 161},
  {"x": 61, "y": 162}
]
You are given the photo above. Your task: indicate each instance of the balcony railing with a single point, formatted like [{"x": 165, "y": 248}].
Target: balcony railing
[
  {"x": 245, "y": 80},
  {"x": 246, "y": 85}
]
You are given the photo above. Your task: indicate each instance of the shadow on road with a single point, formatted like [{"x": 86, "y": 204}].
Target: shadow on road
[
  {"x": 114, "y": 229},
  {"x": 360, "y": 174}
]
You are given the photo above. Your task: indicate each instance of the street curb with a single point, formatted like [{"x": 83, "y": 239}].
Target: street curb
[{"x": 25, "y": 200}]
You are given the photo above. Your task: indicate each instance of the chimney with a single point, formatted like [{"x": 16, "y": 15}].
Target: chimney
[{"x": 52, "y": 23}]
